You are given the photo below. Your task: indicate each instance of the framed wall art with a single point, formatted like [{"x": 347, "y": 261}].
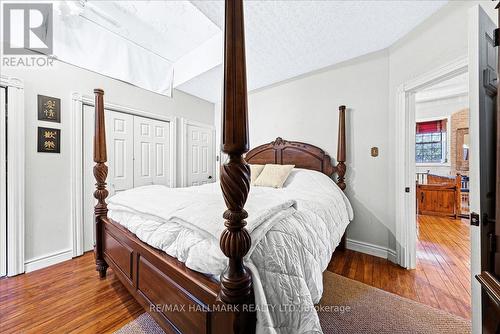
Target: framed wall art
[{"x": 49, "y": 109}]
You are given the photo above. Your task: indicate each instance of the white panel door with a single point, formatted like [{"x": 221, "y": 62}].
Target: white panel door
[
  {"x": 143, "y": 151},
  {"x": 3, "y": 186},
  {"x": 151, "y": 152},
  {"x": 119, "y": 144},
  {"x": 482, "y": 90},
  {"x": 200, "y": 155},
  {"x": 161, "y": 153}
]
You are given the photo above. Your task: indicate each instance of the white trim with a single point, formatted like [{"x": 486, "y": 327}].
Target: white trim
[
  {"x": 77, "y": 103},
  {"x": 15, "y": 177},
  {"x": 89, "y": 100},
  {"x": 3, "y": 183},
  {"x": 76, "y": 174},
  {"x": 405, "y": 157},
  {"x": 8, "y": 81},
  {"x": 183, "y": 155},
  {"x": 442, "y": 73},
  {"x": 173, "y": 152},
  {"x": 48, "y": 260},
  {"x": 371, "y": 249}
]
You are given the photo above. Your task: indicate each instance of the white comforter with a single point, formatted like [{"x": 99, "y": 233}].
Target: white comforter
[{"x": 294, "y": 232}]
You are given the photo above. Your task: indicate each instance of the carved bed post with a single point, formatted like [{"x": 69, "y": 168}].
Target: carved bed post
[
  {"x": 341, "y": 149},
  {"x": 236, "y": 280},
  {"x": 100, "y": 174},
  {"x": 341, "y": 167}
]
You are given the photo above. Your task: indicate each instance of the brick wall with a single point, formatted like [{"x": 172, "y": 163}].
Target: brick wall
[{"x": 459, "y": 120}]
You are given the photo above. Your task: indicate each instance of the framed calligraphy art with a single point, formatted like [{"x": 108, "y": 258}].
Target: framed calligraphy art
[
  {"x": 49, "y": 140},
  {"x": 49, "y": 109}
]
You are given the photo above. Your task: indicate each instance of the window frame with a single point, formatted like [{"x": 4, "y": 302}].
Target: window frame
[{"x": 448, "y": 141}]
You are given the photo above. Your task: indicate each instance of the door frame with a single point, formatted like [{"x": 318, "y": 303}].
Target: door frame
[
  {"x": 184, "y": 124},
  {"x": 78, "y": 101},
  {"x": 3, "y": 182},
  {"x": 406, "y": 238},
  {"x": 15, "y": 183}
]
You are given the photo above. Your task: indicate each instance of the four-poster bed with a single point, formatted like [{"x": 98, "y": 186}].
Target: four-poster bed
[{"x": 155, "y": 278}]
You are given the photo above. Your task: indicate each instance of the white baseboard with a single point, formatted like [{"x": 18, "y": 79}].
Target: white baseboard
[
  {"x": 371, "y": 249},
  {"x": 47, "y": 260}
]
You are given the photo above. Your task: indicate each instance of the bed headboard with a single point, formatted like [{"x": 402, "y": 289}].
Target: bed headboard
[{"x": 303, "y": 155}]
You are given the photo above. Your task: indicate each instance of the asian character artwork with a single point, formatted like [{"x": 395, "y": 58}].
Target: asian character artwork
[
  {"x": 49, "y": 109},
  {"x": 49, "y": 140}
]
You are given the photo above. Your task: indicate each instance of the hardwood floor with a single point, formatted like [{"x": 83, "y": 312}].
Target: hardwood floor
[
  {"x": 442, "y": 277},
  {"x": 65, "y": 298},
  {"x": 69, "y": 298}
]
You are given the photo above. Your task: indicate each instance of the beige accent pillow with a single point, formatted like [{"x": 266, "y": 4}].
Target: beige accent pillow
[
  {"x": 274, "y": 175},
  {"x": 255, "y": 171}
]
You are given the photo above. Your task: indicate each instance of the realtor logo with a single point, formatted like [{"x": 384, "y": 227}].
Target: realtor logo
[{"x": 27, "y": 28}]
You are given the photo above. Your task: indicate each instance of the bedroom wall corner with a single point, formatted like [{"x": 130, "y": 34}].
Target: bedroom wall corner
[
  {"x": 48, "y": 230},
  {"x": 306, "y": 109}
]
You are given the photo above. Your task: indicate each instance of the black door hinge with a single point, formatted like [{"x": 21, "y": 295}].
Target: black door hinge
[
  {"x": 474, "y": 219},
  {"x": 487, "y": 220},
  {"x": 492, "y": 243},
  {"x": 496, "y": 37}
]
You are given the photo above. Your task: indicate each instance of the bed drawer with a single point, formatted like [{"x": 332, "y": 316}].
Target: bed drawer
[
  {"x": 119, "y": 253},
  {"x": 173, "y": 300}
]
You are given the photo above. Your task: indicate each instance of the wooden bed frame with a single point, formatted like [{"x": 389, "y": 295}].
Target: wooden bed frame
[{"x": 179, "y": 299}]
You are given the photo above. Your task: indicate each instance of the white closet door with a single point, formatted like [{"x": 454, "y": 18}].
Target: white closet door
[
  {"x": 151, "y": 152},
  {"x": 119, "y": 142},
  {"x": 200, "y": 157},
  {"x": 161, "y": 154}
]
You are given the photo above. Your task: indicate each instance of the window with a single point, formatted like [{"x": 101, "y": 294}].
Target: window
[{"x": 430, "y": 142}]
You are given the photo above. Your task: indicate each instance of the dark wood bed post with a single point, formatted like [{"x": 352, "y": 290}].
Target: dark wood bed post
[
  {"x": 341, "y": 167},
  {"x": 236, "y": 280},
  {"x": 100, "y": 174}
]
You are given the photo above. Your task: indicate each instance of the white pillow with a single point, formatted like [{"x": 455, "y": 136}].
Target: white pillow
[
  {"x": 255, "y": 171},
  {"x": 273, "y": 175}
]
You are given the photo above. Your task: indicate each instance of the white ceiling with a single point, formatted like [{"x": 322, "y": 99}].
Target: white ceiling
[
  {"x": 170, "y": 29},
  {"x": 182, "y": 28},
  {"x": 285, "y": 39},
  {"x": 207, "y": 86}
]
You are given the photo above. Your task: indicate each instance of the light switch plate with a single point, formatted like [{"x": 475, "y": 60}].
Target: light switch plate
[{"x": 374, "y": 151}]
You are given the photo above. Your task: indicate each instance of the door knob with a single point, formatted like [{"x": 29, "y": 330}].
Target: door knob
[{"x": 210, "y": 177}]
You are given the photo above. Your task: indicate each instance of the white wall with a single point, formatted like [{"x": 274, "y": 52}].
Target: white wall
[
  {"x": 306, "y": 110},
  {"x": 48, "y": 227},
  {"x": 440, "y": 40}
]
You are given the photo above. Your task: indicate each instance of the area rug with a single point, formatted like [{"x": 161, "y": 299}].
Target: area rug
[{"x": 349, "y": 307}]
